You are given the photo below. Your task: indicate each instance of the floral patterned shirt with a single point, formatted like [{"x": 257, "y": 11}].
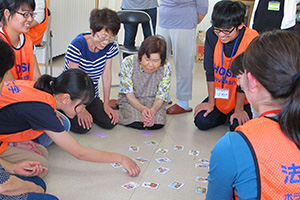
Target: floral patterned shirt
[{"x": 126, "y": 85}]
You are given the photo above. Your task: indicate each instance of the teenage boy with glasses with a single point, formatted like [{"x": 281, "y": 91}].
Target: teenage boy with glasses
[{"x": 225, "y": 40}]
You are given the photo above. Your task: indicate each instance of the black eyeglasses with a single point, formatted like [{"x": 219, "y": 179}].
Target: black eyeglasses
[
  {"x": 225, "y": 32},
  {"x": 27, "y": 14}
]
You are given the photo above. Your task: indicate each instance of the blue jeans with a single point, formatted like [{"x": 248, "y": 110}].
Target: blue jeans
[
  {"x": 45, "y": 140},
  {"x": 37, "y": 196},
  {"x": 131, "y": 30}
]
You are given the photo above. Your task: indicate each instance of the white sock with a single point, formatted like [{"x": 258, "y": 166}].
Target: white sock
[{"x": 183, "y": 104}]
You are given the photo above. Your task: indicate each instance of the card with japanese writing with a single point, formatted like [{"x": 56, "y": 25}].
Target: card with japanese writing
[
  {"x": 130, "y": 186},
  {"x": 151, "y": 143},
  {"x": 162, "y": 170},
  {"x": 204, "y": 160},
  {"x": 176, "y": 185},
  {"x": 162, "y": 151},
  {"x": 116, "y": 165},
  {"x": 202, "y": 166},
  {"x": 201, "y": 179},
  {"x": 201, "y": 190},
  {"x": 163, "y": 160},
  {"x": 194, "y": 153},
  {"x": 141, "y": 160},
  {"x": 134, "y": 148},
  {"x": 178, "y": 147},
  {"x": 150, "y": 185}
]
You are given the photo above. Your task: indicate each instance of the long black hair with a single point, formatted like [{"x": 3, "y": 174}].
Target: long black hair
[
  {"x": 274, "y": 60},
  {"x": 74, "y": 82},
  {"x": 7, "y": 58}
]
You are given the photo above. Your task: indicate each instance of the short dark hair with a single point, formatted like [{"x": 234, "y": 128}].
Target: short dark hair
[
  {"x": 13, "y": 6},
  {"x": 7, "y": 58},
  {"x": 228, "y": 14},
  {"x": 154, "y": 44},
  {"x": 104, "y": 18},
  {"x": 237, "y": 67}
]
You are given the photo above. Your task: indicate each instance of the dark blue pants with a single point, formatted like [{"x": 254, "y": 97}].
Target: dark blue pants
[
  {"x": 37, "y": 196},
  {"x": 131, "y": 30},
  {"x": 216, "y": 118}
]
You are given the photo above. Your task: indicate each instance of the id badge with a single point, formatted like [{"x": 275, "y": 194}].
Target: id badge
[
  {"x": 221, "y": 93},
  {"x": 274, "y": 6}
]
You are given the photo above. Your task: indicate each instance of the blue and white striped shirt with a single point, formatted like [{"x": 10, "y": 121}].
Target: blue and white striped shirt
[{"x": 90, "y": 62}]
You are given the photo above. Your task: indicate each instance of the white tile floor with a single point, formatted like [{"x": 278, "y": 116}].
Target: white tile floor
[{"x": 69, "y": 178}]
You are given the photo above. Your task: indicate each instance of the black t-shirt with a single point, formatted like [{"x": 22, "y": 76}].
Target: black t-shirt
[{"x": 21, "y": 116}]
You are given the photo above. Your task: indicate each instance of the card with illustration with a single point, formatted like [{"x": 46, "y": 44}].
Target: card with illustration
[
  {"x": 163, "y": 160},
  {"x": 152, "y": 142},
  {"x": 134, "y": 148},
  {"x": 194, "y": 153},
  {"x": 178, "y": 147},
  {"x": 176, "y": 185},
  {"x": 116, "y": 165},
  {"x": 202, "y": 166},
  {"x": 130, "y": 186},
  {"x": 141, "y": 160},
  {"x": 150, "y": 185},
  {"x": 204, "y": 160},
  {"x": 201, "y": 179},
  {"x": 162, "y": 151},
  {"x": 162, "y": 170},
  {"x": 201, "y": 190}
]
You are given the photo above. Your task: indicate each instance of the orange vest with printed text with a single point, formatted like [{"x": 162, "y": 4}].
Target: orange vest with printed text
[
  {"x": 24, "y": 64},
  {"x": 37, "y": 32},
  {"x": 227, "y": 105},
  {"x": 21, "y": 91},
  {"x": 276, "y": 158}
]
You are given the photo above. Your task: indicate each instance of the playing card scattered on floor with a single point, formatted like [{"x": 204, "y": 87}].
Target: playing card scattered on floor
[
  {"x": 134, "y": 148},
  {"x": 201, "y": 190},
  {"x": 162, "y": 151},
  {"x": 162, "y": 170},
  {"x": 141, "y": 160},
  {"x": 176, "y": 185},
  {"x": 150, "y": 185},
  {"x": 178, "y": 147},
  {"x": 163, "y": 160},
  {"x": 116, "y": 165},
  {"x": 151, "y": 143},
  {"x": 202, "y": 166},
  {"x": 130, "y": 186},
  {"x": 201, "y": 179},
  {"x": 194, "y": 153}
]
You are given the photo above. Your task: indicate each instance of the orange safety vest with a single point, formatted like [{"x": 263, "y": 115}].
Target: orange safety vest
[
  {"x": 36, "y": 33},
  {"x": 20, "y": 91},
  {"x": 276, "y": 158},
  {"x": 227, "y": 105},
  {"x": 24, "y": 64}
]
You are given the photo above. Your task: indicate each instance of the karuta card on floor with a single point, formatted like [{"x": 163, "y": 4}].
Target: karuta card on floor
[
  {"x": 178, "y": 147},
  {"x": 163, "y": 160},
  {"x": 202, "y": 166},
  {"x": 201, "y": 179},
  {"x": 204, "y": 160},
  {"x": 194, "y": 153},
  {"x": 162, "y": 170},
  {"x": 201, "y": 190},
  {"x": 116, "y": 165},
  {"x": 152, "y": 142},
  {"x": 134, "y": 148},
  {"x": 150, "y": 185},
  {"x": 130, "y": 186},
  {"x": 142, "y": 160},
  {"x": 162, "y": 151},
  {"x": 176, "y": 185}
]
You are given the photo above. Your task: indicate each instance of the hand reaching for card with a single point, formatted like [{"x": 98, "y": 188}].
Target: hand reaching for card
[{"x": 132, "y": 168}]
